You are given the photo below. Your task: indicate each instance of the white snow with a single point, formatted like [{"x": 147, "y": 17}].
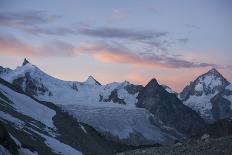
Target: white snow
[
  {"x": 57, "y": 146},
  {"x": 202, "y": 105},
  {"x": 90, "y": 81},
  {"x": 70, "y": 92},
  {"x": 7, "y": 117},
  {"x": 83, "y": 128},
  {"x": 210, "y": 81},
  {"x": 229, "y": 87},
  {"x": 18, "y": 72},
  {"x": 29, "y": 107},
  {"x": 199, "y": 87},
  {"x": 82, "y": 99},
  {"x": 120, "y": 122}
]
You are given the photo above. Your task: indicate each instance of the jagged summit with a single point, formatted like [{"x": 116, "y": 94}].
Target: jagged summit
[
  {"x": 213, "y": 72},
  {"x": 92, "y": 81},
  {"x": 25, "y": 61},
  {"x": 207, "y": 83},
  {"x": 199, "y": 93}
]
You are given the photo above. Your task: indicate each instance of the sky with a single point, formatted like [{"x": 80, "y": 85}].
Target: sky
[{"x": 173, "y": 41}]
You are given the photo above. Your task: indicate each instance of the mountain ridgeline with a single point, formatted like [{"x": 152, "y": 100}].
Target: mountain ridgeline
[{"x": 37, "y": 110}]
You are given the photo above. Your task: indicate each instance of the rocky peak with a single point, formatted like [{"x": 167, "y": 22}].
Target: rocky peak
[
  {"x": 153, "y": 83},
  {"x": 167, "y": 108},
  {"x": 25, "y": 62},
  {"x": 208, "y": 83},
  {"x": 213, "y": 71},
  {"x": 92, "y": 81}
]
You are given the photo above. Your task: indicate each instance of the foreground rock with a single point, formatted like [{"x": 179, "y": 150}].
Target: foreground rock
[{"x": 203, "y": 146}]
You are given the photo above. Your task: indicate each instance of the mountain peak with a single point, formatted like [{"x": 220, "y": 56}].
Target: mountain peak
[
  {"x": 210, "y": 82},
  {"x": 214, "y": 71},
  {"x": 25, "y": 61},
  {"x": 92, "y": 81},
  {"x": 153, "y": 82}
]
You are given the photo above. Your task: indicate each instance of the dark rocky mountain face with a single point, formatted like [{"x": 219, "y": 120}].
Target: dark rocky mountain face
[
  {"x": 31, "y": 86},
  {"x": 4, "y": 70},
  {"x": 221, "y": 107},
  {"x": 25, "y": 62},
  {"x": 208, "y": 83},
  {"x": 221, "y": 128},
  {"x": 169, "y": 110},
  {"x": 6, "y": 141}
]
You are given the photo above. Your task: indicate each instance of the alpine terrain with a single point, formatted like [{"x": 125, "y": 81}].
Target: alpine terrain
[{"x": 40, "y": 114}]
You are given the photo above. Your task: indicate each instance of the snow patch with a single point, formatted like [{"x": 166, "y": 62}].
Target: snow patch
[
  {"x": 57, "y": 146},
  {"x": 199, "y": 87},
  {"x": 29, "y": 107},
  {"x": 7, "y": 117},
  {"x": 229, "y": 87},
  {"x": 202, "y": 105}
]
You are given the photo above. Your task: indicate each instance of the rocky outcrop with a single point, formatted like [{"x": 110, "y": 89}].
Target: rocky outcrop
[
  {"x": 220, "y": 107},
  {"x": 6, "y": 141},
  {"x": 169, "y": 110}
]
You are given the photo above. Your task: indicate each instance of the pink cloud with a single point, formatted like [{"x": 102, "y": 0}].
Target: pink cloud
[
  {"x": 116, "y": 53},
  {"x": 12, "y": 46}
]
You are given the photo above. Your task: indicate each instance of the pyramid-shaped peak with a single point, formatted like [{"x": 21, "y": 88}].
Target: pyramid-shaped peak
[
  {"x": 91, "y": 80},
  {"x": 213, "y": 71},
  {"x": 25, "y": 61},
  {"x": 153, "y": 82}
]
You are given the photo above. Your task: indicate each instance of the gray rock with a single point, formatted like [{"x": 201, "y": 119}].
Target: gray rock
[
  {"x": 220, "y": 107},
  {"x": 169, "y": 110}
]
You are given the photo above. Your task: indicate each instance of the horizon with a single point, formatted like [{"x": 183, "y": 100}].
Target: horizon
[
  {"x": 83, "y": 80},
  {"x": 117, "y": 41}
]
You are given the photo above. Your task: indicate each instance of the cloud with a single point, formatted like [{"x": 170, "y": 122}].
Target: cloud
[
  {"x": 107, "y": 52},
  {"x": 153, "y": 39},
  {"x": 120, "y": 33},
  {"x": 183, "y": 40},
  {"x": 119, "y": 15},
  {"x": 9, "y": 45},
  {"x": 25, "y": 18},
  {"x": 116, "y": 53},
  {"x": 41, "y": 23},
  {"x": 34, "y": 22}
]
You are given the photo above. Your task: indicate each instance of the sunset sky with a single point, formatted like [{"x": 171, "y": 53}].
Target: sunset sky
[{"x": 135, "y": 40}]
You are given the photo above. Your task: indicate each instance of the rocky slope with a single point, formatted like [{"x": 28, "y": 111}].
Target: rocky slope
[{"x": 168, "y": 110}]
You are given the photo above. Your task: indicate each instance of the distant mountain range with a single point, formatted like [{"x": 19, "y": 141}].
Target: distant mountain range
[{"x": 37, "y": 110}]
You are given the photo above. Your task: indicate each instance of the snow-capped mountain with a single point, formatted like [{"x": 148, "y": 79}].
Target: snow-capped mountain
[
  {"x": 100, "y": 106},
  {"x": 198, "y": 94},
  {"x": 46, "y": 88},
  {"x": 41, "y": 128}
]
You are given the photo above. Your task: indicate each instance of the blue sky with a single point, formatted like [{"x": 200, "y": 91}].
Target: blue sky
[{"x": 132, "y": 40}]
